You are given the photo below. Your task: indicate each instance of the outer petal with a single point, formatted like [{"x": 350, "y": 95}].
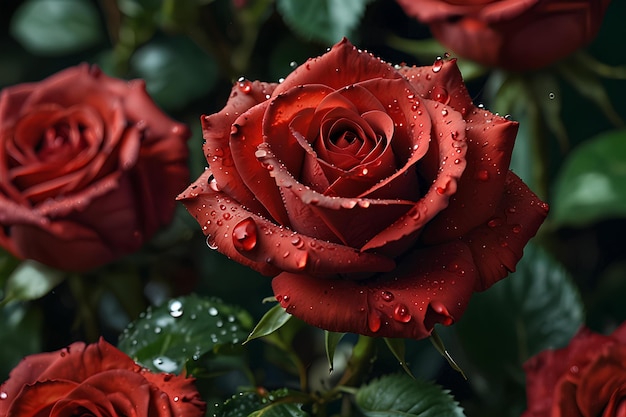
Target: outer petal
[
  {"x": 430, "y": 286},
  {"x": 490, "y": 142},
  {"x": 256, "y": 242},
  {"x": 343, "y": 65},
  {"x": 38, "y": 399},
  {"x": 498, "y": 244},
  {"x": 216, "y": 130},
  {"x": 182, "y": 395}
]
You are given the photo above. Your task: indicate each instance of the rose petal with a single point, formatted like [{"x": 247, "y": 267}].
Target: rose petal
[
  {"x": 430, "y": 286},
  {"x": 325, "y": 217},
  {"x": 342, "y": 65},
  {"x": 441, "y": 167},
  {"x": 184, "y": 399},
  {"x": 216, "y": 130},
  {"x": 38, "y": 399},
  {"x": 260, "y": 244},
  {"x": 602, "y": 388},
  {"x": 498, "y": 244}
]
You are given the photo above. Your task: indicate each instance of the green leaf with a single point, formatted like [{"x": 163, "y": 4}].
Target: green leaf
[
  {"x": 331, "y": 339},
  {"x": 398, "y": 349},
  {"x": 57, "y": 27},
  {"x": 20, "y": 335},
  {"x": 438, "y": 344},
  {"x": 323, "y": 20},
  {"x": 273, "y": 320},
  {"x": 279, "y": 403},
  {"x": 535, "y": 308},
  {"x": 174, "y": 335},
  {"x": 400, "y": 395},
  {"x": 176, "y": 71},
  {"x": 591, "y": 185},
  {"x": 31, "y": 280}
]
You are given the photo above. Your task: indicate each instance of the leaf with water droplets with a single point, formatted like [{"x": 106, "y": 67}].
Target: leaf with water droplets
[
  {"x": 331, "y": 339},
  {"x": 278, "y": 403},
  {"x": 397, "y": 348},
  {"x": 400, "y": 395},
  {"x": 170, "y": 337},
  {"x": 273, "y": 320}
]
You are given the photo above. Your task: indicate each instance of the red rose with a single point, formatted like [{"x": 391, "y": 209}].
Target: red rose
[
  {"x": 516, "y": 35},
  {"x": 89, "y": 168},
  {"x": 94, "y": 380},
  {"x": 381, "y": 198},
  {"x": 585, "y": 379}
]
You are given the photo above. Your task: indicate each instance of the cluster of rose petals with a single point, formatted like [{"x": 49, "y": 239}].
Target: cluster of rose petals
[
  {"x": 587, "y": 378},
  {"x": 95, "y": 380},
  {"x": 517, "y": 35},
  {"x": 379, "y": 197},
  {"x": 89, "y": 168}
]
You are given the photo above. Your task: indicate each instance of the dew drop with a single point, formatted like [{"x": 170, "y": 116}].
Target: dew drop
[
  {"x": 245, "y": 235},
  {"x": 440, "y": 94},
  {"x": 293, "y": 64},
  {"x": 3, "y": 395},
  {"x": 302, "y": 261},
  {"x": 176, "y": 308},
  {"x": 165, "y": 364},
  {"x": 438, "y": 64},
  {"x": 245, "y": 86},
  {"x": 551, "y": 96},
  {"x": 297, "y": 242},
  {"x": 386, "y": 295},
  {"x": 213, "y": 184},
  {"x": 495, "y": 222},
  {"x": 213, "y": 311},
  {"x": 401, "y": 313},
  {"x": 211, "y": 243},
  {"x": 374, "y": 321},
  {"x": 517, "y": 228}
]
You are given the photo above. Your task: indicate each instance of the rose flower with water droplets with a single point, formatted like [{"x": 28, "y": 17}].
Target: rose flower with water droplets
[
  {"x": 95, "y": 380},
  {"x": 379, "y": 198},
  {"x": 89, "y": 168}
]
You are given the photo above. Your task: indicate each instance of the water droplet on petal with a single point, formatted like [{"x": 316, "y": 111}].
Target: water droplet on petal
[
  {"x": 374, "y": 321},
  {"x": 482, "y": 175},
  {"x": 3, "y": 395},
  {"x": 245, "y": 235},
  {"x": 245, "y": 86},
  {"x": 440, "y": 94},
  {"x": 302, "y": 260},
  {"x": 386, "y": 295},
  {"x": 517, "y": 228},
  {"x": 495, "y": 222},
  {"x": 211, "y": 243},
  {"x": 297, "y": 242},
  {"x": 438, "y": 64},
  {"x": 401, "y": 313}
]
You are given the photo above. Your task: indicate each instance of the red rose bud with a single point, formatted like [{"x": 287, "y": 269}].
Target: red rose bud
[
  {"x": 585, "y": 378},
  {"x": 96, "y": 379},
  {"x": 379, "y": 198},
  {"x": 89, "y": 168},
  {"x": 516, "y": 35}
]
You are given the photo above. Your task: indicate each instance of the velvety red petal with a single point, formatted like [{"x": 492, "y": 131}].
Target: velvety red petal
[
  {"x": 429, "y": 286},
  {"x": 440, "y": 169},
  {"x": 350, "y": 221},
  {"x": 341, "y": 66},
  {"x": 216, "y": 130},
  {"x": 38, "y": 399},
  {"x": 262, "y": 245},
  {"x": 498, "y": 244},
  {"x": 184, "y": 399}
]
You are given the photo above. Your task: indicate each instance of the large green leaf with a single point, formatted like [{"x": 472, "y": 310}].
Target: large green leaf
[
  {"x": 323, "y": 20},
  {"x": 536, "y": 308},
  {"x": 176, "y": 71},
  {"x": 20, "y": 335},
  {"x": 57, "y": 27},
  {"x": 279, "y": 403},
  {"x": 167, "y": 338},
  {"x": 591, "y": 185},
  {"x": 274, "y": 319},
  {"x": 400, "y": 395}
]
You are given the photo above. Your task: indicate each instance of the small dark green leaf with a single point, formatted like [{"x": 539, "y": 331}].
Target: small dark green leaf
[
  {"x": 279, "y": 403},
  {"x": 169, "y": 337},
  {"x": 591, "y": 185},
  {"x": 241, "y": 405},
  {"x": 273, "y": 320},
  {"x": 332, "y": 339},
  {"x": 398, "y": 349},
  {"x": 281, "y": 410},
  {"x": 438, "y": 344},
  {"x": 400, "y": 395},
  {"x": 31, "y": 280},
  {"x": 56, "y": 27},
  {"x": 323, "y": 20}
]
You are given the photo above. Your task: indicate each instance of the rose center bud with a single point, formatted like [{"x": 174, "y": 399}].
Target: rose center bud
[{"x": 345, "y": 142}]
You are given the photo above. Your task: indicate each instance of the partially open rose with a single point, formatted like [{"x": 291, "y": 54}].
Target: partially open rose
[
  {"x": 587, "y": 378},
  {"x": 95, "y": 380},
  {"x": 380, "y": 197},
  {"x": 89, "y": 168},
  {"x": 515, "y": 35}
]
